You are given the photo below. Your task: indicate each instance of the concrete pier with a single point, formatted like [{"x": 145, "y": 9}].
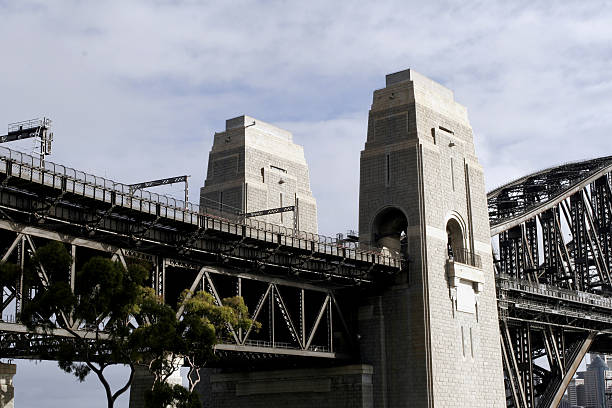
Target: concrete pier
[{"x": 346, "y": 386}]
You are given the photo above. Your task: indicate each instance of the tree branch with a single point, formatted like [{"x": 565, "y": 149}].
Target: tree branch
[
  {"x": 99, "y": 372},
  {"x": 127, "y": 384},
  {"x": 192, "y": 369}
]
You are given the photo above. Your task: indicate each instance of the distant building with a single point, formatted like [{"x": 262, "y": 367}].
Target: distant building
[
  {"x": 565, "y": 404},
  {"x": 594, "y": 379},
  {"x": 575, "y": 393}
]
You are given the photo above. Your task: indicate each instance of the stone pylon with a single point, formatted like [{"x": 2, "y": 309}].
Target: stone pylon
[
  {"x": 433, "y": 336},
  {"x": 256, "y": 166}
]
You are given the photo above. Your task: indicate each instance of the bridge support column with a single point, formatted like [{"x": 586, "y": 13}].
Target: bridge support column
[
  {"x": 433, "y": 336},
  {"x": 347, "y": 386},
  {"x": 7, "y": 391},
  {"x": 143, "y": 380}
]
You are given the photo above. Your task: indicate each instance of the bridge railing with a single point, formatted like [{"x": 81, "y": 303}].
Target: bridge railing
[
  {"x": 467, "y": 258},
  {"x": 510, "y": 283},
  {"x": 25, "y": 166},
  {"x": 284, "y": 345}
]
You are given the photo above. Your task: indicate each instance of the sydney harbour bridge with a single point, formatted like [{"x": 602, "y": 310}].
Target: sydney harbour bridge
[{"x": 551, "y": 246}]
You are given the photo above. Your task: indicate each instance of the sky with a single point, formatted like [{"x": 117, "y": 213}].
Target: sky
[{"x": 137, "y": 89}]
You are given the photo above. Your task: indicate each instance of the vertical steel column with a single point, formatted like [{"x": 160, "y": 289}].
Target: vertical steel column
[
  {"x": 160, "y": 278},
  {"x": 155, "y": 274},
  {"x": 272, "y": 322},
  {"x": 506, "y": 255},
  {"x": 603, "y": 212},
  {"x": 525, "y": 362},
  {"x": 550, "y": 246},
  {"x": 239, "y": 293},
  {"x": 330, "y": 327},
  {"x": 512, "y": 253},
  {"x": 531, "y": 236},
  {"x": 302, "y": 317},
  {"x": 520, "y": 252},
  {"x": 20, "y": 290},
  {"x": 581, "y": 254},
  {"x": 72, "y": 266}
]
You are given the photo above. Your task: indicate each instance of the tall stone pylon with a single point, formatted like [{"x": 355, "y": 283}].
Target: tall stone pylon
[
  {"x": 433, "y": 336},
  {"x": 255, "y": 166}
]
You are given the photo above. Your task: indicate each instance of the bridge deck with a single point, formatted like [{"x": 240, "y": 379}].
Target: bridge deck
[{"x": 63, "y": 195}]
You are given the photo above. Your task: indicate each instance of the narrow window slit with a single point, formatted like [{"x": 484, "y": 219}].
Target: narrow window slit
[
  {"x": 452, "y": 173},
  {"x": 387, "y": 172},
  {"x": 471, "y": 343}
]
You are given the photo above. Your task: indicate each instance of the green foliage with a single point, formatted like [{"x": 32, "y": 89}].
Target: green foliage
[
  {"x": 138, "y": 328},
  {"x": 79, "y": 370},
  {"x": 156, "y": 336},
  {"x": 106, "y": 289},
  {"x": 106, "y": 297},
  {"x": 56, "y": 261},
  {"x": 58, "y": 295},
  {"x": 204, "y": 323}
]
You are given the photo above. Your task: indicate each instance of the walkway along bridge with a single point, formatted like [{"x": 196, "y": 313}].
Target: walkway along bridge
[{"x": 551, "y": 231}]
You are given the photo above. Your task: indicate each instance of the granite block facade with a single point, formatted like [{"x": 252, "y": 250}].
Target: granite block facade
[
  {"x": 346, "y": 386},
  {"x": 256, "y": 166}
]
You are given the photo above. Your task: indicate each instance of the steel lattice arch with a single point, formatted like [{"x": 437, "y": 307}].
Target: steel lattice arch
[{"x": 552, "y": 240}]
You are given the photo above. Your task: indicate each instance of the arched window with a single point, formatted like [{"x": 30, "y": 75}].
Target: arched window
[
  {"x": 389, "y": 231},
  {"x": 455, "y": 238}
]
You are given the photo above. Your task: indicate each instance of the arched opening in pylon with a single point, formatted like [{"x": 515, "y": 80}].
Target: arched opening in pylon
[
  {"x": 454, "y": 232},
  {"x": 389, "y": 231}
]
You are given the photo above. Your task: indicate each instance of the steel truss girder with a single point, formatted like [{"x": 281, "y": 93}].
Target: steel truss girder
[
  {"x": 238, "y": 342},
  {"x": 300, "y": 335}
]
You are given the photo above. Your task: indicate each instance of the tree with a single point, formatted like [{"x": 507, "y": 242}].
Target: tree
[
  {"x": 187, "y": 338},
  {"x": 166, "y": 395},
  {"x": 204, "y": 323},
  {"x": 114, "y": 319},
  {"x": 98, "y": 314}
]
